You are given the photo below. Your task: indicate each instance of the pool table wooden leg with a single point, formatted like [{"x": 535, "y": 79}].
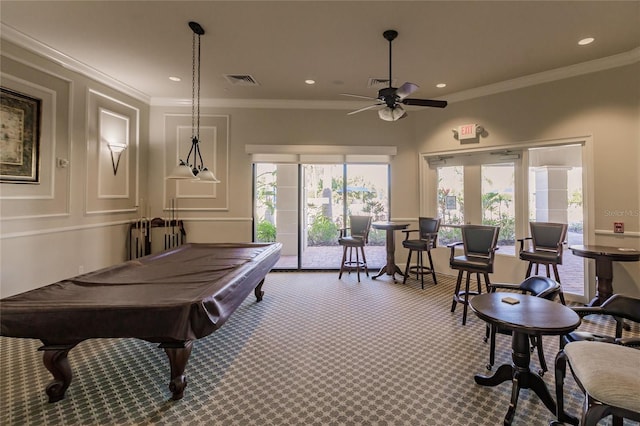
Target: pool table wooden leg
[
  {"x": 178, "y": 354},
  {"x": 56, "y": 361},
  {"x": 258, "y": 291}
]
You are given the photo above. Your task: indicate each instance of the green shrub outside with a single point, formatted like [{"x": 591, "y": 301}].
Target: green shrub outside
[
  {"x": 323, "y": 232},
  {"x": 266, "y": 232}
]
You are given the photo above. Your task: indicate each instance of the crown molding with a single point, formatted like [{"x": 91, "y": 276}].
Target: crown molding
[
  {"x": 601, "y": 64},
  {"x": 14, "y": 36},
  {"x": 11, "y": 34}
]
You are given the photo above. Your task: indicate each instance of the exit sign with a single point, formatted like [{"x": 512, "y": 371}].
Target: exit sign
[{"x": 467, "y": 131}]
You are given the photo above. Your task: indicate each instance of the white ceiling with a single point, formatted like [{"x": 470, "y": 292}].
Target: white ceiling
[{"x": 339, "y": 44}]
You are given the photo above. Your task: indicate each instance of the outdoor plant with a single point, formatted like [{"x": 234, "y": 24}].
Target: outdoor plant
[
  {"x": 323, "y": 231},
  {"x": 507, "y": 226},
  {"x": 496, "y": 213},
  {"x": 266, "y": 232}
]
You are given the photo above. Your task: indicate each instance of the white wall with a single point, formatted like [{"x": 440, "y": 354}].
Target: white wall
[
  {"x": 76, "y": 217},
  {"x": 39, "y": 251}
]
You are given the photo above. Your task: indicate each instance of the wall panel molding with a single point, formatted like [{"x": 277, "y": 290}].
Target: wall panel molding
[
  {"x": 63, "y": 229},
  {"x": 50, "y": 196},
  {"x": 111, "y": 118},
  {"x": 214, "y": 145}
]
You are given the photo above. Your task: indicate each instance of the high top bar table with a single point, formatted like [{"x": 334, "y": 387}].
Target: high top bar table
[{"x": 390, "y": 268}]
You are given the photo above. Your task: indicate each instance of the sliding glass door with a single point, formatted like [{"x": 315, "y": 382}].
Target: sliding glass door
[
  {"x": 304, "y": 206},
  {"x": 323, "y": 207}
]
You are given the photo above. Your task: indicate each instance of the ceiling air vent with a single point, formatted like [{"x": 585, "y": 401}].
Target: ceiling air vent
[
  {"x": 241, "y": 80},
  {"x": 379, "y": 83}
]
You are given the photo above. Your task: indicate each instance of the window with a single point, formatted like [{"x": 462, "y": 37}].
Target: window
[
  {"x": 450, "y": 203},
  {"x": 510, "y": 188},
  {"x": 498, "y": 204}
]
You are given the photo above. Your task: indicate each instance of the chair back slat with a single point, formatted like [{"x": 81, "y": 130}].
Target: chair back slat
[
  {"x": 480, "y": 240},
  {"x": 623, "y": 306},
  {"x": 360, "y": 226},
  {"x": 547, "y": 235},
  {"x": 428, "y": 227}
]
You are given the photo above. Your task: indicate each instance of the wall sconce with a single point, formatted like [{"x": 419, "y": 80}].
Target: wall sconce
[{"x": 116, "y": 150}]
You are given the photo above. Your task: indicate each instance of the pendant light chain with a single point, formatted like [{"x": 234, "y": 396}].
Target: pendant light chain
[
  {"x": 195, "y": 112},
  {"x": 196, "y": 170}
]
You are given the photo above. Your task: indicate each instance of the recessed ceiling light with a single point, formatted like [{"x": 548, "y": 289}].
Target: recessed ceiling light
[
  {"x": 172, "y": 78},
  {"x": 585, "y": 41},
  {"x": 309, "y": 81},
  {"x": 441, "y": 85}
]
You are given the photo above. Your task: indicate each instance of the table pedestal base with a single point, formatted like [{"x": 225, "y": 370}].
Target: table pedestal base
[
  {"x": 520, "y": 375},
  {"x": 389, "y": 271},
  {"x": 390, "y": 268}
]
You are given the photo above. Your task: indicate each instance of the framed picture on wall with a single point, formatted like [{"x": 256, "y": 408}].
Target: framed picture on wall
[{"x": 20, "y": 116}]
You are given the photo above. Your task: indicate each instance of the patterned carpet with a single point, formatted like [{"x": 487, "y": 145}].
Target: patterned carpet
[{"x": 316, "y": 351}]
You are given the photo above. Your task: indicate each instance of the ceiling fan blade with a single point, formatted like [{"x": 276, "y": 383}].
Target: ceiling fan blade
[
  {"x": 358, "y": 96},
  {"x": 363, "y": 109},
  {"x": 425, "y": 102},
  {"x": 406, "y": 89}
]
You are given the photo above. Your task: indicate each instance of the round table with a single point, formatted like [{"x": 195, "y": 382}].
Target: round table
[
  {"x": 604, "y": 257},
  {"x": 531, "y": 316},
  {"x": 390, "y": 268}
]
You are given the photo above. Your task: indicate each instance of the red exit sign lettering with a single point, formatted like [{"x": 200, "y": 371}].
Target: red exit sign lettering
[{"x": 467, "y": 131}]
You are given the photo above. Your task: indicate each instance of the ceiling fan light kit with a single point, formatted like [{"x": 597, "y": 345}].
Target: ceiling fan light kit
[
  {"x": 390, "y": 99},
  {"x": 392, "y": 114}
]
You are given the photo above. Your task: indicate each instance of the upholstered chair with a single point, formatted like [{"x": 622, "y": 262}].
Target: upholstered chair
[
  {"x": 480, "y": 244},
  {"x": 544, "y": 247},
  {"x": 609, "y": 376},
  {"x": 356, "y": 236},
  {"x": 427, "y": 239}
]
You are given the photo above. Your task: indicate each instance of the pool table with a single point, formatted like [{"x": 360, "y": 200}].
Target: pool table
[{"x": 172, "y": 298}]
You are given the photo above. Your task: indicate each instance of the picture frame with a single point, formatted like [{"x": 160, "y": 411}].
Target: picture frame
[
  {"x": 20, "y": 120},
  {"x": 450, "y": 202}
]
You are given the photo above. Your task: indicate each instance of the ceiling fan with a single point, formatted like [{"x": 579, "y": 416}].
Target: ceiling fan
[{"x": 390, "y": 99}]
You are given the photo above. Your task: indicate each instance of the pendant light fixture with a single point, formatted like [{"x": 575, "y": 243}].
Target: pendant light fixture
[{"x": 194, "y": 169}]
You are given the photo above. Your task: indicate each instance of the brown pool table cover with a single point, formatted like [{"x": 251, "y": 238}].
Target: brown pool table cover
[{"x": 178, "y": 295}]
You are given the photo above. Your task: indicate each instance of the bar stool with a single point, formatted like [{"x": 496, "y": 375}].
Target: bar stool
[
  {"x": 428, "y": 237},
  {"x": 547, "y": 240},
  {"x": 356, "y": 236},
  {"x": 479, "y": 243}
]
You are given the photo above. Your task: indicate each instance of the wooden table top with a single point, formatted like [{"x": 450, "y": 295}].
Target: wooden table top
[
  {"x": 389, "y": 225},
  {"x": 615, "y": 253},
  {"x": 532, "y": 315}
]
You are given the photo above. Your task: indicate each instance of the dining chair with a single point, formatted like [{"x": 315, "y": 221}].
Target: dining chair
[
  {"x": 609, "y": 377},
  {"x": 543, "y": 287},
  {"x": 618, "y": 308},
  {"x": 479, "y": 243},
  {"x": 546, "y": 243},
  {"x": 427, "y": 239},
  {"x": 356, "y": 236}
]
